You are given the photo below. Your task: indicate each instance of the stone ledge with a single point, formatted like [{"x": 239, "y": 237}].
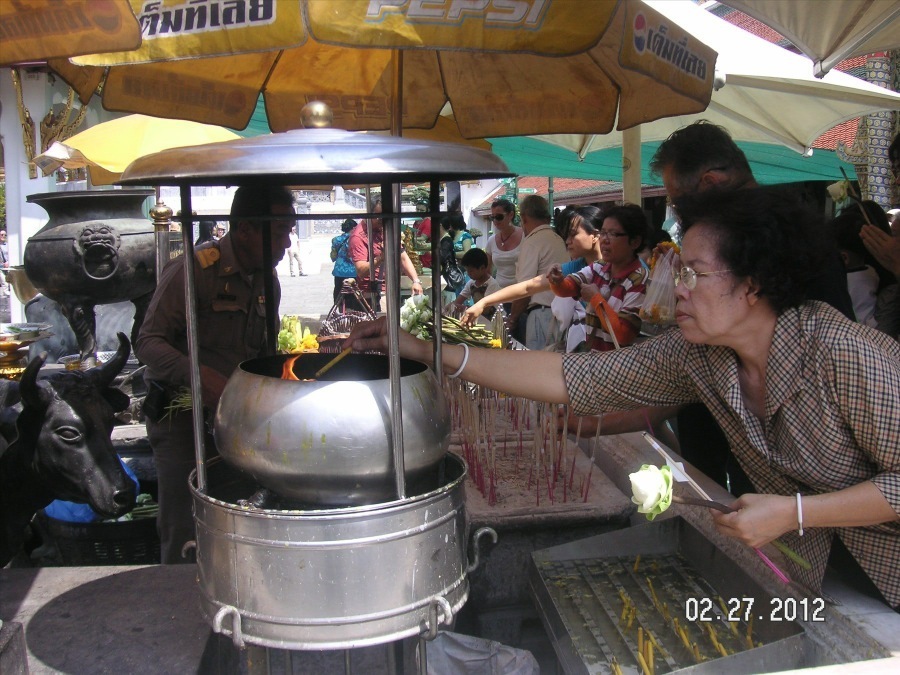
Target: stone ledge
[{"x": 13, "y": 651}]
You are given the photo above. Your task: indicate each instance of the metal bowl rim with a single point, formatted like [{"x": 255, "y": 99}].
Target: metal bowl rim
[{"x": 331, "y": 513}]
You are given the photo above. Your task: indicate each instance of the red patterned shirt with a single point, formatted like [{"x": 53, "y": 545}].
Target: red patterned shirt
[{"x": 624, "y": 293}]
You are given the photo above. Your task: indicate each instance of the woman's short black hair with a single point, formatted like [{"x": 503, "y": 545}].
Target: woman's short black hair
[
  {"x": 454, "y": 222},
  {"x": 348, "y": 225},
  {"x": 633, "y": 220},
  {"x": 766, "y": 234}
]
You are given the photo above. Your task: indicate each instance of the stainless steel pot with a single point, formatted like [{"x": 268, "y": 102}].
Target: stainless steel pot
[
  {"x": 328, "y": 442},
  {"x": 333, "y": 578}
]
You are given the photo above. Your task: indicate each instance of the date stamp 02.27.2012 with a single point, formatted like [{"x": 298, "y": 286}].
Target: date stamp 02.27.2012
[{"x": 744, "y": 609}]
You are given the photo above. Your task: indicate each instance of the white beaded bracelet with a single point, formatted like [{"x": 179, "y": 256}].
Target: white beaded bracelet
[
  {"x": 464, "y": 362},
  {"x": 799, "y": 515}
]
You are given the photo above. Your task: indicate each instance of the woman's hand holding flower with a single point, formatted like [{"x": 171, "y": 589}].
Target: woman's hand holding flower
[{"x": 758, "y": 519}]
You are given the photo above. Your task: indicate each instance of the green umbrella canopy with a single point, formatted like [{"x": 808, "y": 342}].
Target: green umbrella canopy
[
  {"x": 771, "y": 164},
  {"x": 526, "y": 156}
]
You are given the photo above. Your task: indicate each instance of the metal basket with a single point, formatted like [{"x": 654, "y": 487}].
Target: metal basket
[
  {"x": 339, "y": 322},
  {"x": 335, "y": 330}
]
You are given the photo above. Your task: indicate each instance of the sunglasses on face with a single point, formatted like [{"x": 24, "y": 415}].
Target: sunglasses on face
[{"x": 497, "y": 216}]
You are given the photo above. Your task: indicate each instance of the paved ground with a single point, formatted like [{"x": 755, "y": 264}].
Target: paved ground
[
  {"x": 309, "y": 296},
  {"x": 4, "y": 309}
]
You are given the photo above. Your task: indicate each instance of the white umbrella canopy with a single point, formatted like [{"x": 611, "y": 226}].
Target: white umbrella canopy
[
  {"x": 829, "y": 32},
  {"x": 764, "y": 93}
]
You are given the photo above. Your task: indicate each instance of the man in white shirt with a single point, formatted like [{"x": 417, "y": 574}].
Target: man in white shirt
[
  {"x": 293, "y": 253},
  {"x": 540, "y": 250}
]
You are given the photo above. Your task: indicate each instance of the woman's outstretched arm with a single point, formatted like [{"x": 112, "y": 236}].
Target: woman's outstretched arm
[{"x": 537, "y": 375}]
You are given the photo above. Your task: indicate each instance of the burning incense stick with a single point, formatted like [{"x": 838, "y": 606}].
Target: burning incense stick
[{"x": 328, "y": 366}]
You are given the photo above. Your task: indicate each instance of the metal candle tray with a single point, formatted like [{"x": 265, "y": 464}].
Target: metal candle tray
[{"x": 595, "y": 593}]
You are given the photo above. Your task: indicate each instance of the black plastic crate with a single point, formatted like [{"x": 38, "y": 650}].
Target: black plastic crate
[{"x": 125, "y": 542}]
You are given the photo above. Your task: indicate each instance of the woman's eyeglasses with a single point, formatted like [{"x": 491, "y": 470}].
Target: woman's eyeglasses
[
  {"x": 497, "y": 216},
  {"x": 688, "y": 276},
  {"x": 603, "y": 234}
]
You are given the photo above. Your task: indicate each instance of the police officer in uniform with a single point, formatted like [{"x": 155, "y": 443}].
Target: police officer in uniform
[{"x": 231, "y": 329}]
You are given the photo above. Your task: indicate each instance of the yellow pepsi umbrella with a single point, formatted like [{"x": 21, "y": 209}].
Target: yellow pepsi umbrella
[
  {"x": 506, "y": 69},
  {"x": 37, "y": 30},
  {"x": 106, "y": 149}
]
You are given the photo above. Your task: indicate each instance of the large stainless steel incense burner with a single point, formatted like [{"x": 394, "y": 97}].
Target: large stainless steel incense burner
[
  {"x": 368, "y": 543},
  {"x": 328, "y": 441}
]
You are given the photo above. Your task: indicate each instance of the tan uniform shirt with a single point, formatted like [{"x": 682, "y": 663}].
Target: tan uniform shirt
[{"x": 230, "y": 316}]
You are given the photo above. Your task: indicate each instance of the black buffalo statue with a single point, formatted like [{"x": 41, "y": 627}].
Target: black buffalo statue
[{"x": 55, "y": 444}]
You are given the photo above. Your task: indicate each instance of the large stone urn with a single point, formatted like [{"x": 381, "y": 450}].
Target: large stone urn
[{"x": 96, "y": 249}]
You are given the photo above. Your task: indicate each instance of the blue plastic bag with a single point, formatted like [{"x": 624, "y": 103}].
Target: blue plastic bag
[{"x": 72, "y": 512}]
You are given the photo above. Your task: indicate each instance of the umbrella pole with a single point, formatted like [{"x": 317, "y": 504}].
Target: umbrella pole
[
  {"x": 397, "y": 93},
  {"x": 631, "y": 165}
]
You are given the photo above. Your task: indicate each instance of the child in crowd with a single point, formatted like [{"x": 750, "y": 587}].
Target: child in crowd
[{"x": 480, "y": 283}]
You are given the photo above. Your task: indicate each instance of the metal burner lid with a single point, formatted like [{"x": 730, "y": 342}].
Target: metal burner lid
[{"x": 315, "y": 157}]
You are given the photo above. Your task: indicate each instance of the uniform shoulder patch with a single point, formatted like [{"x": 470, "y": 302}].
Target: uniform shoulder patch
[{"x": 207, "y": 256}]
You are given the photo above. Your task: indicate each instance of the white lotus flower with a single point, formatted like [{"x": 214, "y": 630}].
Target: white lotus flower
[{"x": 651, "y": 488}]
